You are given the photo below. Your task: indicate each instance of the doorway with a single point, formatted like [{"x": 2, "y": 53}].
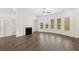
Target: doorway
[{"x": 7, "y": 27}]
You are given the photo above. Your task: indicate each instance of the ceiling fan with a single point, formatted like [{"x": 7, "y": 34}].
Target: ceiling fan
[{"x": 46, "y": 11}]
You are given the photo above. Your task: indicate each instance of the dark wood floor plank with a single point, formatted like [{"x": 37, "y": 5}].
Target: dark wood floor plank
[{"x": 39, "y": 42}]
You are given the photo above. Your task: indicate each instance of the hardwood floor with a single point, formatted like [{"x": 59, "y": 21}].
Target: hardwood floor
[{"x": 39, "y": 42}]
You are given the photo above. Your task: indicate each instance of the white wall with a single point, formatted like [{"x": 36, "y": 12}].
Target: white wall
[
  {"x": 24, "y": 19},
  {"x": 74, "y": 29},
  {"x": 6, "y": 24},
  {"x": 35, "y": 25},
  {"x": 77, "y": 23}
]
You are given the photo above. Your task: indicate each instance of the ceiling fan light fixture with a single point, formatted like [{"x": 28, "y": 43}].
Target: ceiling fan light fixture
[{"x": 46, "y": 12}]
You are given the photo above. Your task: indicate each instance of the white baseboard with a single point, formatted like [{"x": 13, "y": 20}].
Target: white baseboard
[{"x": 18, "y": 35}]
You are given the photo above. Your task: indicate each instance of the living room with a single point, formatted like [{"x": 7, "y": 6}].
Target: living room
[{"x": 39, "y": 29}]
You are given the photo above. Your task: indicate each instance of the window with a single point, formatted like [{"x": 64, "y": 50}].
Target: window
[
  {"x": 67, "y": 23},
  {"x": 52, "y": 23},
  {"x": 59, "y": 23},
  {"x": 41, "y": 25},
  {"x": 46, "y": 26}
]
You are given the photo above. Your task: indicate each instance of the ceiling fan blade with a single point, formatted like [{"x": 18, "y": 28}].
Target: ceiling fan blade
[
  {"x": 46, "y": 12},
  {"x": 49, "y": 12},
  {"x": 43, "y": 10}
]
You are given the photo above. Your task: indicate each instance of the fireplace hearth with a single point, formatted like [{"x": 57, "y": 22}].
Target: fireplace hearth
[{"x": 28, "y": 30}]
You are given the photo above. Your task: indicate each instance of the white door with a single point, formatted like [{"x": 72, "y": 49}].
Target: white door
[
  {"x": 1, "y": 27},
  {"x": 9, "y": 27}
]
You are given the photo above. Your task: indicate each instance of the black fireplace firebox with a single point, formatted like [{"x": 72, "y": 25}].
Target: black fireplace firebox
[{"x": 28, "y": 30}]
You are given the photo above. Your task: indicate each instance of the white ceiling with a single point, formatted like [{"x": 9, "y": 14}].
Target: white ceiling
[
  {"x": 39, "y": 11},
  {"x": 35, "y": 11},
  {"x": 6, "y": 10}
]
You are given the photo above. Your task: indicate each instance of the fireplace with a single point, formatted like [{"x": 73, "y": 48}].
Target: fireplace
[{"x": 28, "y": 30}]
